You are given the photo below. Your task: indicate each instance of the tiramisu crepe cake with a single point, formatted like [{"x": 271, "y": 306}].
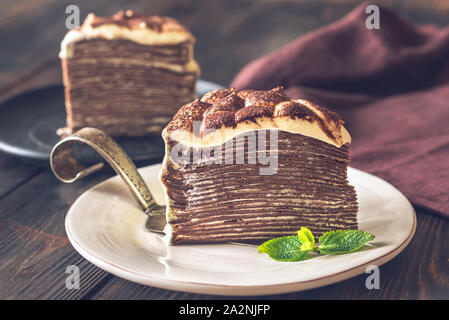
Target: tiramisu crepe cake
[
  {"x": 247, "y": 166},
  {"x": 127, "y": 74}
]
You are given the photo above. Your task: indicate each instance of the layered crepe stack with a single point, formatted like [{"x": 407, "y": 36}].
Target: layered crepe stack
[
  {"x": 220, "y": 186},
  {"x": 127, "y": 74}
]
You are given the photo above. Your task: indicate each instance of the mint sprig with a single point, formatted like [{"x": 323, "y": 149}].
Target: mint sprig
[{"x": 297, "y": 248}]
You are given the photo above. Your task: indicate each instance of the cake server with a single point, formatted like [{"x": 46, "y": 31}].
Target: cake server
[{"x": 66, "y": 168}]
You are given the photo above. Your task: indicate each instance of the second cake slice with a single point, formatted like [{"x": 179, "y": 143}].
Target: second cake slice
[{"x": 127, "y": 74}]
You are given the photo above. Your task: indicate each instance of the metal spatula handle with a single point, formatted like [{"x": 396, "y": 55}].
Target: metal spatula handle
[{"x": 67, "y": 169}]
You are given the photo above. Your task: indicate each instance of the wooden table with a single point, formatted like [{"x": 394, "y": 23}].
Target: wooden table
[{"x": 34, "y": 250}]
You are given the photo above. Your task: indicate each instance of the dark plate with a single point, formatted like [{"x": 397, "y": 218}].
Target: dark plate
[{"x": 28, "y": 124}]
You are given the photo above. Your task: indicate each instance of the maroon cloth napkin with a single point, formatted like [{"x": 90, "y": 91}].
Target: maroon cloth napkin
[{"x": 390, "y": 85}]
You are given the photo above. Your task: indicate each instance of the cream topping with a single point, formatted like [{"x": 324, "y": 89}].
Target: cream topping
[
  {"x": 284, "y": 123},
  {"x": 143, "y": 36}
]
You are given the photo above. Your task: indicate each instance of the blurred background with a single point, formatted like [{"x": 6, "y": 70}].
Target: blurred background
[{"x": 229, "y": 33}]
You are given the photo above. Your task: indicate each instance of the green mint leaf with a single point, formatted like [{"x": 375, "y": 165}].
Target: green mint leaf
[
  {"x": 305, "y": 235},
  {"x": 286, "y": 248},
  {"x": 343, "y": 241}
]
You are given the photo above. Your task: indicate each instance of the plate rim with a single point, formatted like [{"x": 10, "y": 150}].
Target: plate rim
[{"x": 237, "y": 290}]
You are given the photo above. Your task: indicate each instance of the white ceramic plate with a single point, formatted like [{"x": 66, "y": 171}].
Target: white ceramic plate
[{"x": 106, "y": 226}]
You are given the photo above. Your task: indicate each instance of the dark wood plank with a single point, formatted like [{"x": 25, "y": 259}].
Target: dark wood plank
[
  {"x": 34, "y": 250},
  {"x": 13, "y": 173}
]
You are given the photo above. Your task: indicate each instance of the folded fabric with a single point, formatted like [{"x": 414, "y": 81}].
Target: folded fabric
[{"x": 391, "y": 85}]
